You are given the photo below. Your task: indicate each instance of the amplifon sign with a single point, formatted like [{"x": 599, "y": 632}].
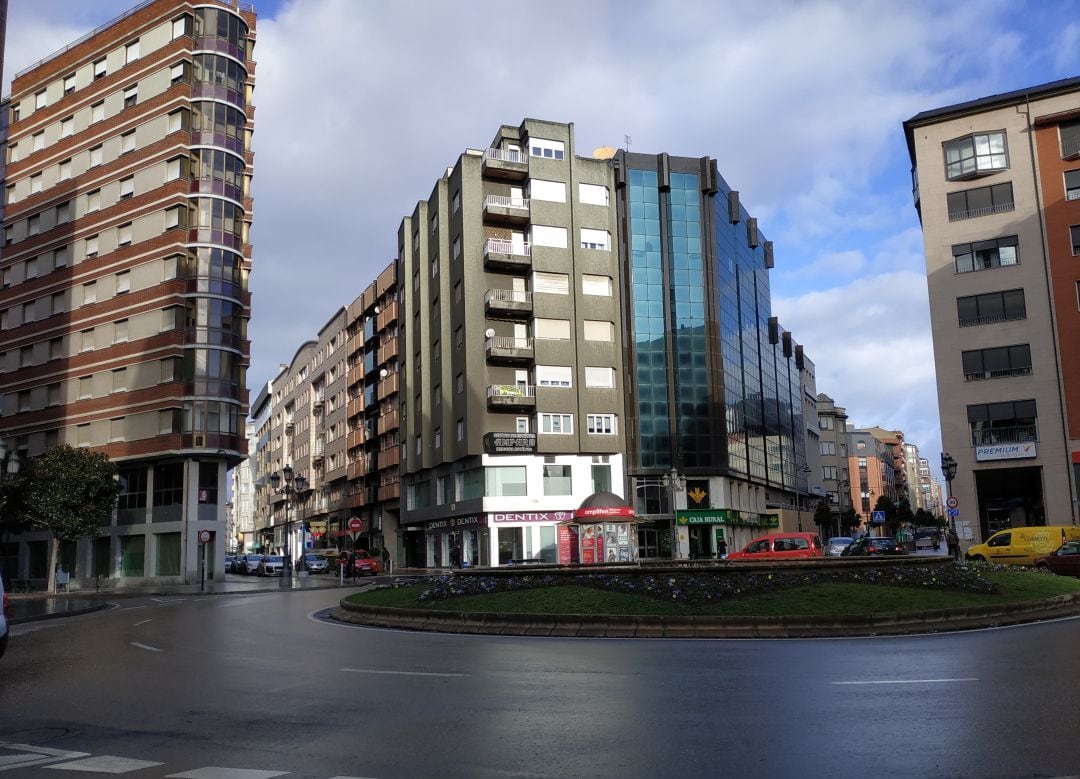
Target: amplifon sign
[
  {"x": 529, "y": 516},
  {"x": 1005, "y": 451}
]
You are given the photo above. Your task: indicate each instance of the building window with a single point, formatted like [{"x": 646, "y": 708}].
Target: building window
[
  {"x": 554, "y": 376},
  {"x": 1074, "y": 235},
  {"x": 35, "y": 183},
  {"x": 89, "y": 292},
  {"x": 91, "y": 247},
  {"x": 505, "y": 481},
  {"x": 826, "y": 423},
  {"x": 456, "y": 252},
  {"x": 123, "y": 235},
  {"x": 557, "y": 424},
  {"x": 100, "y": 68},
  {"x": 551, "y": 283},
  {"x": 593, "y": 194},
  {"x": 95, "y": 155},
  {"x": 26, "y": 356},
  {"x": 93, "y": 200},
  {"x": 176, "y": 73},
  {"x": 67, "y": 127},
  {"x": 123, "y": 282},
  {"x": 97, "y": 112},
  {"x": 600, "y": 424},
  {"x": 601, "y": 473},
  {"x": 829, "y": 472},
  {"x": 131, "y": 95},
  {"x": 970, "y": 203},
  {"x": 991, "y": 307},
  {"x": 599, "y": 377},
  {"x": 33, "y": 224},
  {"x": 172, "y": 169},
  {"x": 456, "y": 202},
  {"x": 65, "y": 170},
  {"x": 596, "y": 285},
  {"x": 86, "y": 340},
  {"x": 541, "y": 147},
  {"x": 459, "y": 383},
  {"x": 40, "y": 99},
  {"x": 1008, "y": 422},
  {"x": 997, "y": 362},
  {"x": 555, "y": 329},
  {"x": 38, "y": 141},
  {"x": 983, "y": 255},
  {"x": 595, "y": 239},
  {"x": 131, "y": 52},
  {"x": 521, "y": 425},
  {"x": 63, "y": 213},
  {"x": 127, "y": 187},
  {"x": 127, "y": 142},
  {"x": 594, "y": 330},
  {"x": 28, "y": 312},
  {"x": 461, "y": 430},
  {"x": 827, "y": 447},
  {"x": 558, "y": 480},
  {"x": 69, "y": 84},
  {"x": 1070, "y": 139},
  {"x": 437, "y": 438},
  {"x": 976, "y": 155}
]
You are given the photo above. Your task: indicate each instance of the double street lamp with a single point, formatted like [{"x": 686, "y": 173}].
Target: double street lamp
[
  {"x": 289, "y": 486},
  {"x": 948, "y": 470}
]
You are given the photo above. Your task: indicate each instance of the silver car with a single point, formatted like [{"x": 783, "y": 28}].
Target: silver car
[
  {"x": 835, "y": 546},
  {"x": 271, "y": 565},
  {"x": 316, "y": 563}
]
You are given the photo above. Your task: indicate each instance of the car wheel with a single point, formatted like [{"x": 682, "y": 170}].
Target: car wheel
[
  {"x": 1042, "y": 567},
  {"x": 978, "y": 558}
]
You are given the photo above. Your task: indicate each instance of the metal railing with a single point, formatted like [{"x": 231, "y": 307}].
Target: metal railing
[
  {"x": 511, "y": 391},
  {"x": 508, "y": 296},
  {"x": 507, "y": 155},
  {"x": 506, "y": 201},
  {"x": 997, "y": 374},
  {"x": 503, "y": 246},
  {"x": 1012, "y": 434},
  {"x": 1070, "y": 147},
  {"x": 990, "y": 319},
  {"x": 955, "y": 216},
  {"x": 509, "y": 342}
]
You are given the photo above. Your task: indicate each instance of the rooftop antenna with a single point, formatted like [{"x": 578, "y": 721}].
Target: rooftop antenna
[{"x": 626, "y": 141}]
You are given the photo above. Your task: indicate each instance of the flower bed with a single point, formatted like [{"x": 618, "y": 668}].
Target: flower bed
[{"x": 703, "y": 587}]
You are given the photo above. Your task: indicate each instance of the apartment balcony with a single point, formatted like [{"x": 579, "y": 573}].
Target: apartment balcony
[
  {"x": 509, "y": 350},
  {"x": 318, "y": 397},
  {"x": 511, "y": 397},
  {"x": 387, "y": 316},
  {"x": 388, "y": 458},
  {"x": 510, "y": 303},
  {"x": 355, "y": 406},
  {"x": 387, "y": 351},
  {"x": 354, "y": 344},
  {"x": 355, "y": 438},
  {"x": 356, "y": 469},
  {"x": 505, "y": 164},
  {"x": 390, "y": 491},
  {"x": 1070, "y": 148},
  {"x": 506, "y": 209},
  {"x": 388, "y": 422},
  {"x": 318, "y": 451},
  {"x": 355, "y": 501},
  {"x": 501, "y": 254},
  {"x": 1012, "y": 434},
  {"x": 387, "y": 386}
]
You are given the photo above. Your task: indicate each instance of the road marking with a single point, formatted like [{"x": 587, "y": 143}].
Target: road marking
[
  {"x": 214, "y": 772},
  {"x": 146, "y": 647},
  {"x": 168, "y": 601},
  {"x": 129, "y": 608},
  {"x": 143, "y": 622},
  {"x": 33, "y": 756},
  {"x": 105, "y": 764},
  {"x": 396, "y": 673},
  {"x": 233, "y": 603},
  {"x": 912, "y": 681}
]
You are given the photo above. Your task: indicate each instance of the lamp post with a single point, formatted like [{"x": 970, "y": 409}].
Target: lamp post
[
  {"x": 676, "y": 483},
  {"x": 285, "y": 484},
  {"x": 840, "y": 487},
  {"x": 948, "y": 470},
  {"x": 9, "y": 463},
  {"x": 798, "y": 494}
]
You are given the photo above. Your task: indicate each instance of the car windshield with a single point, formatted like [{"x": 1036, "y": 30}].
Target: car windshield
[
  {"x": 839, "y": 540},
  {"x": 254, "y": 557},
  {"x": 273, "y": 559}
]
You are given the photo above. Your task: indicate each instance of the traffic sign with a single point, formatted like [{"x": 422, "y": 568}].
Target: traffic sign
[
  {"x": 953, "y": 512},
  {"x": 952, "y": 502},
  {"x": 877, "y": 517},
  {"x": 355, "y": 525},
  {"x": 204, "y": 536}
]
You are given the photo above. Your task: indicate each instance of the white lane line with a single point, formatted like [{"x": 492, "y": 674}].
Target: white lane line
[
  {"x": 233, "y": 603},
  {"x": 168, "y": 601},
  {"x": 216, "y": 772},
  {"x": 129, "y": 608},
  {"x": 146, "y": 647},
  {"x": 105, "y": 764},
  {"x": 912, "y": 681},
  {"x": 33, "y": 756},
  {"x": 396, "y": 673},
  {"x": 143, "y": 622}
]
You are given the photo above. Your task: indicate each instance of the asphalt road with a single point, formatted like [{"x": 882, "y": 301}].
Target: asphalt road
[{"x": 259, "y": 685}]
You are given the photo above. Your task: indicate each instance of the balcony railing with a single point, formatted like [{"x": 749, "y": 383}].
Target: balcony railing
[
  {"x": 506, "y": 201},
  {"x": 502, "y": 246},
  {"x": 507, "y": 155},
  {"x": 1012, "y": 434},
  {"x": 955, "y": 216},
  {"x": 1070, "y": 147},
  {"x": 508, "y": 296},
  {"x": 997, "y": 374},
  {"x": 990, "y": 319}
]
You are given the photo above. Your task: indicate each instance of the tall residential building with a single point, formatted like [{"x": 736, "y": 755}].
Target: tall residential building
[
  {"x": 997, "y": 190},
  {"x": 511, "y": 350},
  {"x": 713, "y": 388},
  {"x": 241, "y": 520},
  {"x": 125, "y": 261},
  {"x": 834, "y": 446},
  {"x": 872, "y": 471}
]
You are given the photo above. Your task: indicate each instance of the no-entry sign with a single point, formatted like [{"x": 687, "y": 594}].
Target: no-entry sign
[{"x": 355, "y": 525}]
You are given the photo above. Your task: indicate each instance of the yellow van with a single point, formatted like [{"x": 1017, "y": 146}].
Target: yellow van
[{"x": 1022, "y": 545}]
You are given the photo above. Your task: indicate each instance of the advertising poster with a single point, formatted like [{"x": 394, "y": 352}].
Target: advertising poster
[
  {"x": 598, "y": 532},
  {"x": 568, "y": 544},
  {"x": 588, "y": 544}
]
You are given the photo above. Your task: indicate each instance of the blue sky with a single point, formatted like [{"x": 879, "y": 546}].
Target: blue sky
[{"x": 361, "y": 104}]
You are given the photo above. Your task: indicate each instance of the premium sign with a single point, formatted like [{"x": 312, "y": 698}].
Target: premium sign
[
  {"x": 530, "y": 516},
  {"x": 1005, "y": 451},
  {"x": 510, "y": 443}
]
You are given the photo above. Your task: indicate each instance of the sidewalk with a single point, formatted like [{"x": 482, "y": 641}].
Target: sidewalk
[{"x": 33, "y": 606}]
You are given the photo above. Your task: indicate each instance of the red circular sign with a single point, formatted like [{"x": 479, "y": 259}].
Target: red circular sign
[
  {"x": 356, "y": 524},
  {"x": 204, "y": 536},
  {"x": 952, "y": 502}
]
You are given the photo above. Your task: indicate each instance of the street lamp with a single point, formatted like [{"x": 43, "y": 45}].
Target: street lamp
[
  {"x": 840, "y": 488},
  {"x": 290, "y": 488},
  {"x": 798, "y": 494},
  {"x": 675, "y": 483},
  {"x": 948, "y": 470}
]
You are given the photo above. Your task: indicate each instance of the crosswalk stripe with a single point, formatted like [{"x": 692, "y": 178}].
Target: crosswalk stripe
[
  {"x": 105, "y": 764},
  {"x": 33, "y": 756},
  {"x": 216, "y": 772}
]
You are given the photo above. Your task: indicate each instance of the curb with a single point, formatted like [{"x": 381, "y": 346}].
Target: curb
[
  {"x": 649, "y": 626},
  {"x": 57, "y": 614}
]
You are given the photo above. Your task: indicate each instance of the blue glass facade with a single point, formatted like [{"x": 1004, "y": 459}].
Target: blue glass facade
[{"x": 703, "y": 363}]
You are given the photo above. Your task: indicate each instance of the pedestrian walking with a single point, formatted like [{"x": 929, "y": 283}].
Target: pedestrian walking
[
  {"x": 386, "y": 560},
  {"x": 953, "y": 541}
]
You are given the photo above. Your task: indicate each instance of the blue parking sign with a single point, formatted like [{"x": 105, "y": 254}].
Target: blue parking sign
[{"x": 953, "y": 512}]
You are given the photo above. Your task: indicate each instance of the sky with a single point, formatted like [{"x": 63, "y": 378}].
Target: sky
[{"x": 362, "y": 104}]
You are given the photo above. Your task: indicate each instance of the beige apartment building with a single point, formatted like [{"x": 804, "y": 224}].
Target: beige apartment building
[
  {"x": 997, "y": 190},
  {"x": 125, "y": 259}
]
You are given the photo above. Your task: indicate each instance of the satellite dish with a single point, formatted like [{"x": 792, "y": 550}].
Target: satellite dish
[
  {"x": 383, "y": 373},
  {"x": 603, "y": 153},
  {"x": 489, "y": 333},
  {"x": 377, "y": 309}
]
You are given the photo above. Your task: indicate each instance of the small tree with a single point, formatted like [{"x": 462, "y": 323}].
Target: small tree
[
  {"x": 823, "y": 516},
  {"x": 13, "y": 488},
  {"x": 924, "y": 518},
  {"x": 72, "y": 493},
  {"x": 849, "y": 520}
]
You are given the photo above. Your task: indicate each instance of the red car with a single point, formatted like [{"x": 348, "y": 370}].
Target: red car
[
  {"x": 364, "y": 563},
  {"x": 781, "y": 546},
  {"x": 1064, "y": 562}
]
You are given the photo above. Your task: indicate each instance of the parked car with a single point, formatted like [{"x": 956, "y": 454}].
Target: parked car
[
  {"x": 781, "y": 546},
  {"x": 1023, "y": 545},
  {"x": 834, "y": 546},
  {"x": 364, "y": 563},
  {"x": 271, "y": 565},
  {"x": 315, "y": 563},
  {"x": 230, "y": 563},
  {"x": 3, "y": 618},
  {"x": 873, "y": 546},
  {"x": 1064, "y": 562},
  {"x": 249, "y": 564}
]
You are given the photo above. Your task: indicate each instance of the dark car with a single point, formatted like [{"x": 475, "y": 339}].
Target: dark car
[
  {"x": 248, "y": 564},
  {"x": 1064, "y": 562},
  {"x": 873, "y": 546},
  {"x": 230, "y": 563}
]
